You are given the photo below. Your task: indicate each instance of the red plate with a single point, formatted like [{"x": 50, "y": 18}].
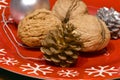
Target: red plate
[{"x": 100, "y": 66}]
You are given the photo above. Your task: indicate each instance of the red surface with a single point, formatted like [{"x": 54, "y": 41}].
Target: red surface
[{"x": 111, "y": 57}]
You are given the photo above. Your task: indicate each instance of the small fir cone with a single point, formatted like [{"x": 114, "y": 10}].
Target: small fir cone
[
  {"x": 62, "y": 46},
  {"x": 112, "y": 19}
]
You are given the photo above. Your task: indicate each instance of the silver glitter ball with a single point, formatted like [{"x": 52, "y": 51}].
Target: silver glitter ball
[
  {"x": 112, "y": 19},
  {"x": 20, "y": 8}
]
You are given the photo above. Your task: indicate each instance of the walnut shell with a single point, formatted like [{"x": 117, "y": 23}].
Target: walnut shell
[
  {"x": 71, "y": 8},
  {"x": 94, "y": 32},
  {"x": 33, "y": 28}
]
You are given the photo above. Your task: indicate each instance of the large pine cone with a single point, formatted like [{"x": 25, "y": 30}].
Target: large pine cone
[{"x": 61, "y": 46}]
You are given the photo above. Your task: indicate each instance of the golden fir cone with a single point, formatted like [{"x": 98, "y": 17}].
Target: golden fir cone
[{"x": 61, "y": 46}]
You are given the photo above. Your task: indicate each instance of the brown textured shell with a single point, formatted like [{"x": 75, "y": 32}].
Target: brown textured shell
[
  {"x": 62, "y": 8},
  {"x": 94, "y": 33},
  {"x": 33, "y": 28}
]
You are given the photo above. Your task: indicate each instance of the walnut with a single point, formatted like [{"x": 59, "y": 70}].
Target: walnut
[
  {"x": 69, "y": 8},
  {"x": 33, "y": 28},
  {"x": 94, "y": 32}
]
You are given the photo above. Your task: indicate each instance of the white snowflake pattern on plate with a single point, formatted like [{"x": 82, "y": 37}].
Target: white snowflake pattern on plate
[
  {"x": 68, "y": 73},
  {"x": 8, "y": 61},
  {"x": 4, "y": 3},
  {"x": 101, "y": 71},
  {"x": 2, "y": 52},
  {"x": 36, "y": 68}
]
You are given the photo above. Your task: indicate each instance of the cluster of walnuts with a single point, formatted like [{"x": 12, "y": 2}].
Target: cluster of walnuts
[{"x": 94, "y": 32}]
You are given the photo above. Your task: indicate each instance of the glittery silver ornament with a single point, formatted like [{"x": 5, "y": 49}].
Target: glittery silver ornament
[
  {"x": 20, "y": 8},
  {"x": 112, "y": 19}
]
